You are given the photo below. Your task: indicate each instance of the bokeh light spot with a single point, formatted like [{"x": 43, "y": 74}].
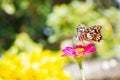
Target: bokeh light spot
[{"x": 47, "y": 31}]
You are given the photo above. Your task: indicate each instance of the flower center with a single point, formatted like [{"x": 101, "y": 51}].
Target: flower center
[{"x": 79, "y": 50}]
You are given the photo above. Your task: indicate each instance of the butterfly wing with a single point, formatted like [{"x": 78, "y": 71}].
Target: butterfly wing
[
  {"x": 96, "y": 28},
  {"x": 79, "y": 30},
  {"x": 97, "y": 37},
  {"x": 91, "y": 34}
]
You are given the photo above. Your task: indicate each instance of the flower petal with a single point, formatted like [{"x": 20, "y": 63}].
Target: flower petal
[
  {"x": 74, "y": 53},
  {"x": 90, "y": 48},
  {"x": 78, "y": 46},
  {"x": 67, "y": 51}
]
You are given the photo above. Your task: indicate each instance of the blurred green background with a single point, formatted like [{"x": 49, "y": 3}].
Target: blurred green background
[{"x": 32, "y": 33}]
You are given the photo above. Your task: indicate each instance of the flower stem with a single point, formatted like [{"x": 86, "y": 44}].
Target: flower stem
[{"x": 81, "y": 70}]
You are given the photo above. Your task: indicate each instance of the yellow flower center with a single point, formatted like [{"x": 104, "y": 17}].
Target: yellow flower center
[{"x": 79, "y": 50}]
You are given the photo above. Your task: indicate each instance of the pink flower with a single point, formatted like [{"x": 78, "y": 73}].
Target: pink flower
[{"x": 79, "y": 50}]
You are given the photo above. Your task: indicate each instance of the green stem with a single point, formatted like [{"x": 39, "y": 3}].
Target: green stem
[{"x": 81, "y": 70}]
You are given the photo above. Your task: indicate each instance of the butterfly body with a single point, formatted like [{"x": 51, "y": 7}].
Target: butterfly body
[{"x": 89, "y": 34}]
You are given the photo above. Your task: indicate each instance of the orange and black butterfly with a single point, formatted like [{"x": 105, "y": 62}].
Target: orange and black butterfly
[{"x": 89, "y": 34}]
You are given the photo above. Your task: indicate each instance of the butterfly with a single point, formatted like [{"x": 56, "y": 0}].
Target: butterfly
[{"x": 89, "y": 34}]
